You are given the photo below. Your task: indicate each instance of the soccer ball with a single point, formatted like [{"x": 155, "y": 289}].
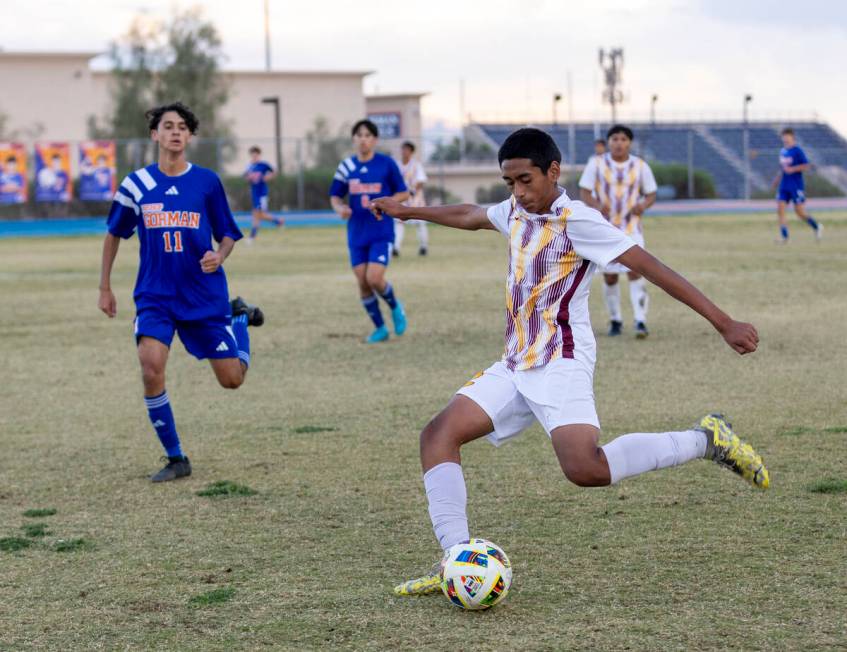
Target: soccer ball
[{"x": 476, "y": 574}]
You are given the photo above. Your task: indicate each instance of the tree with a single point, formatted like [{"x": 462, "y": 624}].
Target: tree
[
  {"x": 324, "y": 150},
  {"x": 452, "y": 151}
]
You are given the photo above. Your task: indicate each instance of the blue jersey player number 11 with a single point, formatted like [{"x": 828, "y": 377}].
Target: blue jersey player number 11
[{"x": 177, "y": 209}]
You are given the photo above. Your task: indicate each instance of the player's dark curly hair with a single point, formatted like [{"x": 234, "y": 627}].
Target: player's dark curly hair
[
  {"x": 619, "y": 129},
  {"x": 154, "y": 116},
  {"x": 409, "y": 144},
  {"x": 367, "y": 124},
  {"x": 536, "y": 145}
]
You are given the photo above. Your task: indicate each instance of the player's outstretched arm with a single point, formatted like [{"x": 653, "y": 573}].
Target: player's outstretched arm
[
  {"x": 740, "y": 336},
  {"x": 460, "y": 216},
  {"x": 107, "y": 302}
]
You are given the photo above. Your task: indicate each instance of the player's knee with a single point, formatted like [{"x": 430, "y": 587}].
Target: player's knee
[
  {"x": 231, "y": 380},
  {"x": 434, "y": 435},
  {"x": 375, "y": 280},
  {"x": 151, "y": 373},
  {"x": 586, "y": 471},
  {"x": 611, "y": 280}
]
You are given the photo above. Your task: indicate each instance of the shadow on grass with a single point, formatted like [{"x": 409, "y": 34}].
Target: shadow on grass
[
  {"x": 309, "y": 430},
  {"x": 226, "y": 489},
  {"x": 40, "y": 513},
  {"x": 216, "y": 596}
]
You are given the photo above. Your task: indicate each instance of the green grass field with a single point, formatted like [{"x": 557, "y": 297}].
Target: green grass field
[{"x": 325, "y": 431}]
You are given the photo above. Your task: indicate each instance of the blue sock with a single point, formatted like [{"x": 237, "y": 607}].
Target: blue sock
[
  {"x": 784, "y": 231},
  {"x": 812, "y": 222},
  {"x": 162, "y": 418},
  {"x": 388, "y": 296},
  {"x": 242, "y": 338},
  {"x": 254, "y": 231},
  {"x": 371, "y": 305}
]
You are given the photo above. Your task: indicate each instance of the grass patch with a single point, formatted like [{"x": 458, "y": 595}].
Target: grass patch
[
  {"x": 40, "y": 513},
  {"x": 805, "y": 430},
  {"x": 12, "y": 544},
  {"x": 309, "y": 430},
  {"x": 835, "y": 430},
  {"x": 225, "y": 489},
  {"x": 829, "y": 486},
  {"x": 35, "y": 530},
  {"x": 215, "y": 596},
  {"x": 72, "y": 545}
]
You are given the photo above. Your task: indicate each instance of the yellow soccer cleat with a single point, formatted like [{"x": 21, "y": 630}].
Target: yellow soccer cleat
[
  {"x": 729, "y": 450},
  {"x": 429, "y": 583}
]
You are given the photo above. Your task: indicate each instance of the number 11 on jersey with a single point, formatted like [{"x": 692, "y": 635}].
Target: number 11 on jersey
[{"x": 177, "y": 241}]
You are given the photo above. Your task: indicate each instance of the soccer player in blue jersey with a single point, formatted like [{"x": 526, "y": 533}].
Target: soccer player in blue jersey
[
  {"x": 364, "y": 177},
  {"x": 258, "y": 173},
  {"x": 793, "y": 163},
  {"x": 177, "y": 208}
]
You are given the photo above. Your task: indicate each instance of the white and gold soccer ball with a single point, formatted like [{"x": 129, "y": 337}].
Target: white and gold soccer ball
[{"x": 476, "y": 574}]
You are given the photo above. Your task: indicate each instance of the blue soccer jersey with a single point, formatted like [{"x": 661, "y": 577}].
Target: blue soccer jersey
[
  {"x": 176, "y": 219},
  {"x": 255, "y": 174},
  {"x": 379, "y": 177},
  {"x": 790, "y": 156}
]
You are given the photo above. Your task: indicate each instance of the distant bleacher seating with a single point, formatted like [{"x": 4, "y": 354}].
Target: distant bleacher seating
[{"x": 717, "y": 146}]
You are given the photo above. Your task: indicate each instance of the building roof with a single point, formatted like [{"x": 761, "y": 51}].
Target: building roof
[
  {"x": 24, "y": 54},
  {"x": 395, "y": 96}
]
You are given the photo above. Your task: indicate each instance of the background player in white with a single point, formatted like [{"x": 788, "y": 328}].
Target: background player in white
[
  {"x": 546, "y": 373},
  {"x": 415, "y": 177},
  {"x": 621, "y": 186}
]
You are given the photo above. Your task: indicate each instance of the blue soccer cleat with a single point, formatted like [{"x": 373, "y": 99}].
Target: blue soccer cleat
[
  {"x": 379, "y": 335},
  {"x": 398, "y": 315}
]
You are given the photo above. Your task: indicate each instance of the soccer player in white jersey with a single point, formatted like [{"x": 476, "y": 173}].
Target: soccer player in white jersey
[
  {"x": 546, "y": 373},
  {"x": 621, "y": 187},
  {"x": 415, "y": 177}
]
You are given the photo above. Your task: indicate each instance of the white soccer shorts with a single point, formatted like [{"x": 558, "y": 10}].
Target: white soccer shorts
[
  {"x": 617, "y": 268},
  {"x": 560, "y": 393}
]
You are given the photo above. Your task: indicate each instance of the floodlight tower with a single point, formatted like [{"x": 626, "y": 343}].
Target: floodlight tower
[{"x": 611, "y": 63}]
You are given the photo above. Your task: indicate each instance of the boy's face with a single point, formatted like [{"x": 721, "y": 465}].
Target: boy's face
[
  {"x": 172, "y": 133},
  {"x": 364, "y": 141},
  {"x": 788, "y": 140},
  {"x": 406, "y": 154},
  {"x": 619, "y": 145},
  {"x": 533, "y": 188},
  {"x": 11, "y": 166},
  {"x": 599, "y": 148},
  {"x": 254, "y": 155}
]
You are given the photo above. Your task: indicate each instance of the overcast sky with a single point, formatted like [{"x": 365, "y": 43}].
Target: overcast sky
[{"x": 699, "y": 56}]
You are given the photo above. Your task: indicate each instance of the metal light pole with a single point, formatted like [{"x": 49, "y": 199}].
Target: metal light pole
[
  {"x": 557, "y": 97},
  {"x": 745, "y": 146},
  {"x": 277, "y": 129},
  {"x": 653, "y": 99},
  {"x": 612, "y": 73}
]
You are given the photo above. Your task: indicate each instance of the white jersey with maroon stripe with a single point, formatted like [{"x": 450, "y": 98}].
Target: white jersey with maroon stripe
[
  {"x": 413, "y": 174},
  {"x": 550, "y": 269},
  {"x": 619, "y": 187}
]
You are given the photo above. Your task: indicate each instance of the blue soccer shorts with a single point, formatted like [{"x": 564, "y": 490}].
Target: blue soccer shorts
[
  {"x": 796, "y": 196},
  {"x": 203, "y": 338},
  {"x": 374, "y": 252}
]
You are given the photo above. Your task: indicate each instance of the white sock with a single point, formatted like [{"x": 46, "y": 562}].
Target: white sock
[
  {"x": 399, "y": 228},
  {"x": 639, "y": 298},
  {"x": 447, "y": 496},
  {"x": 423, "y": 235},
  {"x": 613, "y": 301},
  {"x": 639, "y": 452}
]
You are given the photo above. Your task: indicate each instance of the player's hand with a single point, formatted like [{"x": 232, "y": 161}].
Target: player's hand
[
  {"x": 638, "y": 209},
  {"x": 741, "y": 336},
  {"x": 210, "y": 262},
  {"x": 345, "y": 212},
  {"x": 107, "y": 303},
  {"x": 387, "y": 205}
]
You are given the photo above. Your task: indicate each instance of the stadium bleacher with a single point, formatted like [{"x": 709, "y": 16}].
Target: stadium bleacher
[{"x": 717, "y": 146}]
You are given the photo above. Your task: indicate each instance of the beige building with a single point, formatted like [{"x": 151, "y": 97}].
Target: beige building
[{"x": 52, "y": 95}]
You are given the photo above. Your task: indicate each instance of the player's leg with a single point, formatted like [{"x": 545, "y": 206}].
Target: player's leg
[
  {"x": 783, "y": 221},
  {"x": 423, "y": 237},
  {"x": 612, "y": 291},
  {"x": 265, "y": 215},
  {"x": 399, "y": 231},
  {"x": 800, "y": 210},
  {"x": 588, "y": 465},
  {"x": 377, "y": 261},
  {"x": 153, "y": 358},
  {"x": 370, "y": 302},
  {"x": 230, "y": 372},
  {"x": 256, "y": 219},
  {"x": 640, "y": 300}
]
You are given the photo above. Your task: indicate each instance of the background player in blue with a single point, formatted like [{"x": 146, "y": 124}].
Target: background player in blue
[
  {"x": 364, "y": 177},
  {"x": 258, "y": 173},
  {"x": 792, "y": 163},
  {"x": 177, "y": 208}
]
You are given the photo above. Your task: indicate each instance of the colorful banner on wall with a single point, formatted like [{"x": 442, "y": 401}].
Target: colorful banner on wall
[
  {"x": 389, "y": 123},
  {"x": 13, "y": 186},
  {"x": 53, "y": 172},
  {"x": 97, "y": 173}
]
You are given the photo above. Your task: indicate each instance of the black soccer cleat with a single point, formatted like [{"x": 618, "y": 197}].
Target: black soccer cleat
[
  {"x": 422, "y": 251},
  {"x": 641, "y": 331},
  {"x": 177, "y": 467},
  {"x": 255, "y": 316},
  {"x": 615, "y": 328}
]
